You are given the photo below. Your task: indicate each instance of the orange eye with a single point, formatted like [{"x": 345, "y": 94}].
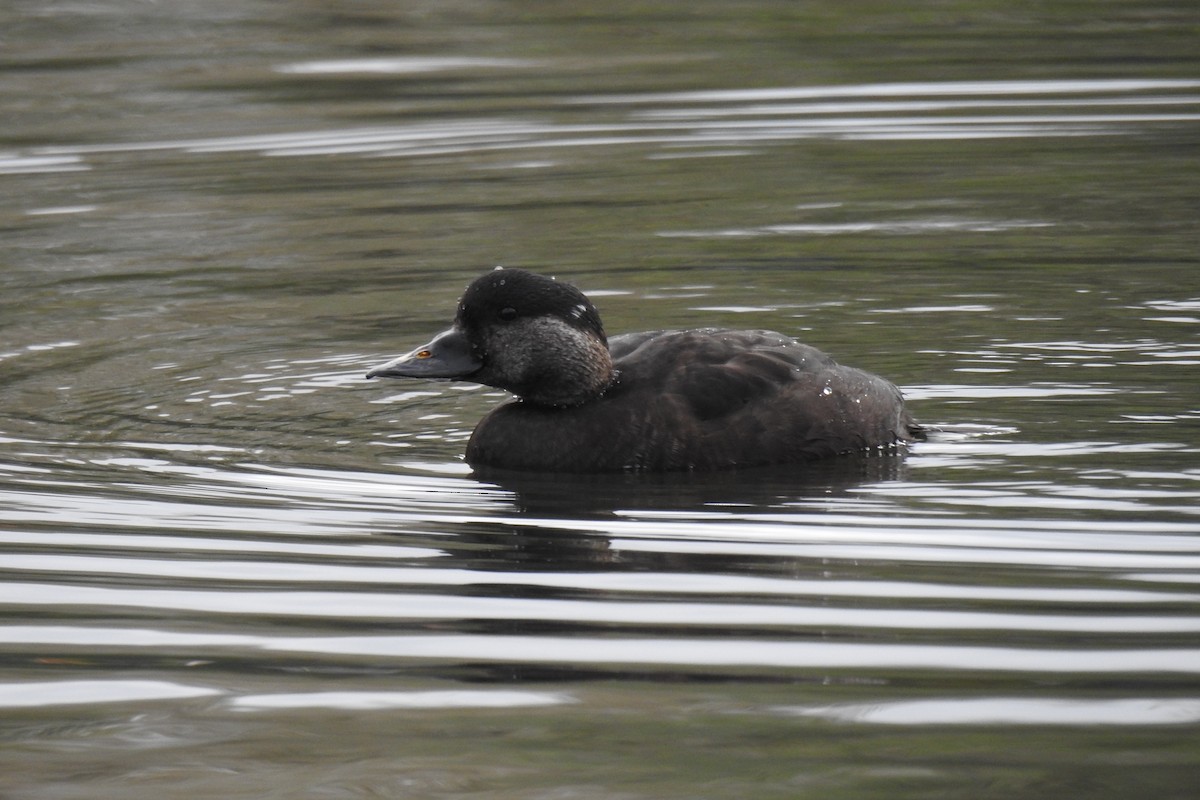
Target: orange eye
[{"x": 424, "y": 354}]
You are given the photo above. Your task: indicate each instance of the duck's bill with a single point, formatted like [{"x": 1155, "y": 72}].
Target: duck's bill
[{"x": 448, "y": 355}]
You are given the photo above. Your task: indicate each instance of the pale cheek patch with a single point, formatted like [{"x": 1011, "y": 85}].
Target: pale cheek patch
[{"x": 563, "y": 362}]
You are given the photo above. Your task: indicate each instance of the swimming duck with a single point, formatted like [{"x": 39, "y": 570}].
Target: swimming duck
[{"x": 700, "y": 399}]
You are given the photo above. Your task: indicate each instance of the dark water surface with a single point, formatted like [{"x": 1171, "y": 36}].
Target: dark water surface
[{"x": 231, "y": 567}]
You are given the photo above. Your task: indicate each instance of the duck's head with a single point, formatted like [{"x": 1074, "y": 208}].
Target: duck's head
[{"x": 516, "y": 330}]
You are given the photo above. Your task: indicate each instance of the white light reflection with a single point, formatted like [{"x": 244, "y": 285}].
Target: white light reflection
[
  {"x": 1013, "y": 711},
  {"x": 13, "y": 164},
  {"x": 35, "y": 694},
  {"x": 589, "y": 651},
  {"x": 893, "y": 227},
  {"x": 900, "y": 554},
  {"x": 915, "y": 89},
  {"x": 356, "y": 605},
  {"x": 373, "y": 701},
  {"x": 399, "y": 65},
  {"x": 667, "y": 132},
  {"x": 360, "y": 548}
]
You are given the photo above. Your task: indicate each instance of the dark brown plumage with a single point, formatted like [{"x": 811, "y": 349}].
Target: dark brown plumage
[{"x": 658, "y": 401}]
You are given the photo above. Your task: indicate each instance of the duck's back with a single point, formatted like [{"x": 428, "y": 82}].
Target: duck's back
[{"x": 701, "y": 399}]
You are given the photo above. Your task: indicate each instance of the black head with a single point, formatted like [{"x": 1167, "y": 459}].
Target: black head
[
  {"x": 505, "y": 296},
  {"x": 529, "y": 334}
]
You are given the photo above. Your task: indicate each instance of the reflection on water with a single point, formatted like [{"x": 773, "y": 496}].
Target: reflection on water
[
  {"x": 55, "y": 693},
  {"x": 232, "y": 567},
  {"x": 737, "y": 119},
  {"x": 1016, "y": 711}
]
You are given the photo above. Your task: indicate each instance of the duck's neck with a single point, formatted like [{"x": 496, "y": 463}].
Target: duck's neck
[
  {"x": 547, "y": 362},
  {"x": 578, "y": 372}
]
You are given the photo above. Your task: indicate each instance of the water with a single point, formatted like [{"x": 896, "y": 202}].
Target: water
[{"x": 231, "y": 567}]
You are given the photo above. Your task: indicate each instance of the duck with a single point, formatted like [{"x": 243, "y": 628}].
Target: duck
[{"x": 658, "y": 401}]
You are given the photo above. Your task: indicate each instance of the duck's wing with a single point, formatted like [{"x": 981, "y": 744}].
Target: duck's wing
[
  {"x": 715, "y": 372},
  {"x": 739, "y": 396}
]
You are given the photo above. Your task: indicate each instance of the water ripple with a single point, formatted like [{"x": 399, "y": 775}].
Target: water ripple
[
  {"x": 29, "y": 694},
  {"x": 398, "y": 605},
  {"x": 721, "y": 652},
  {"x": 1012, "y": 711},
  {"x": 715, "y": 131},
  {"x": 366, "y": 701}
]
